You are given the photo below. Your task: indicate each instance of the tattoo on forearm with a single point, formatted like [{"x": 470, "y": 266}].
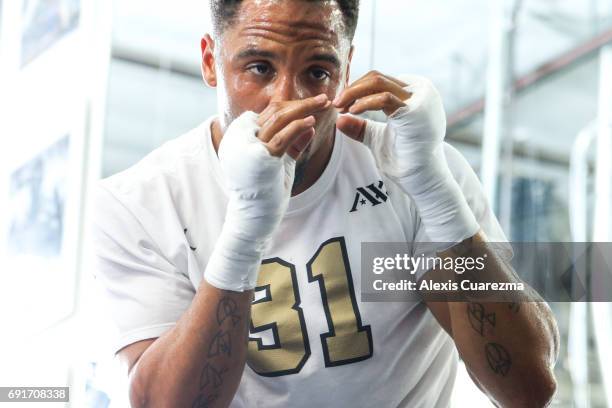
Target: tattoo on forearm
[
  {"x": 227, "y": 309},
  {"x": 204, "y": 401},
  {"x": 498, "y": 358},
  {"x": 479, "y": 318},
  {"x": 515, "y": 307},
  {"x": 221, "y": 344},
  {"x": 211, "y": 377}
]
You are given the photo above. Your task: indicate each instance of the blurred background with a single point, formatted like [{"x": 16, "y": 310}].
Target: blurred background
[{"x": 89, "y": 87}]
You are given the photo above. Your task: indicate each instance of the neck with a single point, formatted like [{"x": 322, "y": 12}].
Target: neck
[{"x": 307, "y": 172}]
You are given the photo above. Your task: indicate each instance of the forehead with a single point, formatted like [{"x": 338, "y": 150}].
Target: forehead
[{"x": 289, "y": 21}]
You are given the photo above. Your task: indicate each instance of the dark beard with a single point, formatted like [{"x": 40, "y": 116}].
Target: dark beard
[{"x": 300, "y": 173}]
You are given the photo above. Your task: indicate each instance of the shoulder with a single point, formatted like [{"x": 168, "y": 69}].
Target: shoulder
[
  {"x": 168, "y": 162},
  {"x": 151, "y": 194},
  {"x": 466, "y": 177},
  {"x": 460, "y": 168},
  {"x": 474, "y": 193}
]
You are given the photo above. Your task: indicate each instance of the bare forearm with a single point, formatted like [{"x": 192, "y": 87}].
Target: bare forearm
[
  {"x": 509, "y": 348},
  {"x": 200, "y": 361}
]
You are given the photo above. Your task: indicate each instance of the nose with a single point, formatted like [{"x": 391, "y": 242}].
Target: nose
[{"x": 286, "y": 88}]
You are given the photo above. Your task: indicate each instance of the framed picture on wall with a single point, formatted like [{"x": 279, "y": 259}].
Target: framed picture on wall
[
  {"x": 44, "y": 22},
  {"x": 37, "y": 203},
  {"x": 41, "y": 235},
  {"x": 42, "y": 163}
]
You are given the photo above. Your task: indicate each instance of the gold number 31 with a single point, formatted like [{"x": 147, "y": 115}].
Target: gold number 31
[{"x": 347, "y": 340}]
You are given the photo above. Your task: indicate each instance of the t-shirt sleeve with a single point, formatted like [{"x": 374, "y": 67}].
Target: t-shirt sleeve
[
  {"x": 142, "y": 290},
  {"x": 477, "y": 201}
]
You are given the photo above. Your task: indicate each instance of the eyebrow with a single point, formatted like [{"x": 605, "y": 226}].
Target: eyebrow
[
  {"x": 327, "y": 57},
  {"x": 258, "y": 53}
]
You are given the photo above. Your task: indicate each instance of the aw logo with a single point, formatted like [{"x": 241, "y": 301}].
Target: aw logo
[{"x": 374, "y": 194}]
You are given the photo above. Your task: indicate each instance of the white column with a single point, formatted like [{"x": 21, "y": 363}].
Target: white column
[
  {"x": 577, "y": 339},
  {"x": 500, "y": 30},
  {"x": 602, "y": 320},
  {"x": 603, "y": 174}
]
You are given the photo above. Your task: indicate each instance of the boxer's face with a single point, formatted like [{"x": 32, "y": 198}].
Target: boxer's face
[{"x": 279, "y": 50}]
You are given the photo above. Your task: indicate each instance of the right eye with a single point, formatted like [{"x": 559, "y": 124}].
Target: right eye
[{"x": 259, "y": 69}]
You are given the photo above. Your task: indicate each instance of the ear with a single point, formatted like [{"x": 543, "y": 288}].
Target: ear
[
  {"x": 209, "y": 72},
  {"x": 348, "y": 68}
]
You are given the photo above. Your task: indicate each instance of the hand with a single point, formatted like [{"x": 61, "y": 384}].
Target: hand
[
  {"x": 416, "y": 125},
  {"x": 257, "y": 156},
  {"x": 409, "y": 148},
  {"x": 373, "y": 92},
  {"x": 280, "y": 123}
]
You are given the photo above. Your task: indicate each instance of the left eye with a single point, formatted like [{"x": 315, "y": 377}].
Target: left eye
[{"x": 319, "y": 74}]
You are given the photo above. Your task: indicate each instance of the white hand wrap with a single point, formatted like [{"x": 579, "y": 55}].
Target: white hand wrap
[
  {"x": 259, "y": 187},
  {"x": 410, "y": 150}
]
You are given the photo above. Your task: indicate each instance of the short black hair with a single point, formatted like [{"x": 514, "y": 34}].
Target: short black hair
[{"x": 224, "y": 12}]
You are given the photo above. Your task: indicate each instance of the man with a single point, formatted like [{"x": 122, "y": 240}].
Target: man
[{"x": 240, "y": 241}]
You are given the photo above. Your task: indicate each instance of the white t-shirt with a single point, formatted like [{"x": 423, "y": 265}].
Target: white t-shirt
[{"x": 313, "y": 342}]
